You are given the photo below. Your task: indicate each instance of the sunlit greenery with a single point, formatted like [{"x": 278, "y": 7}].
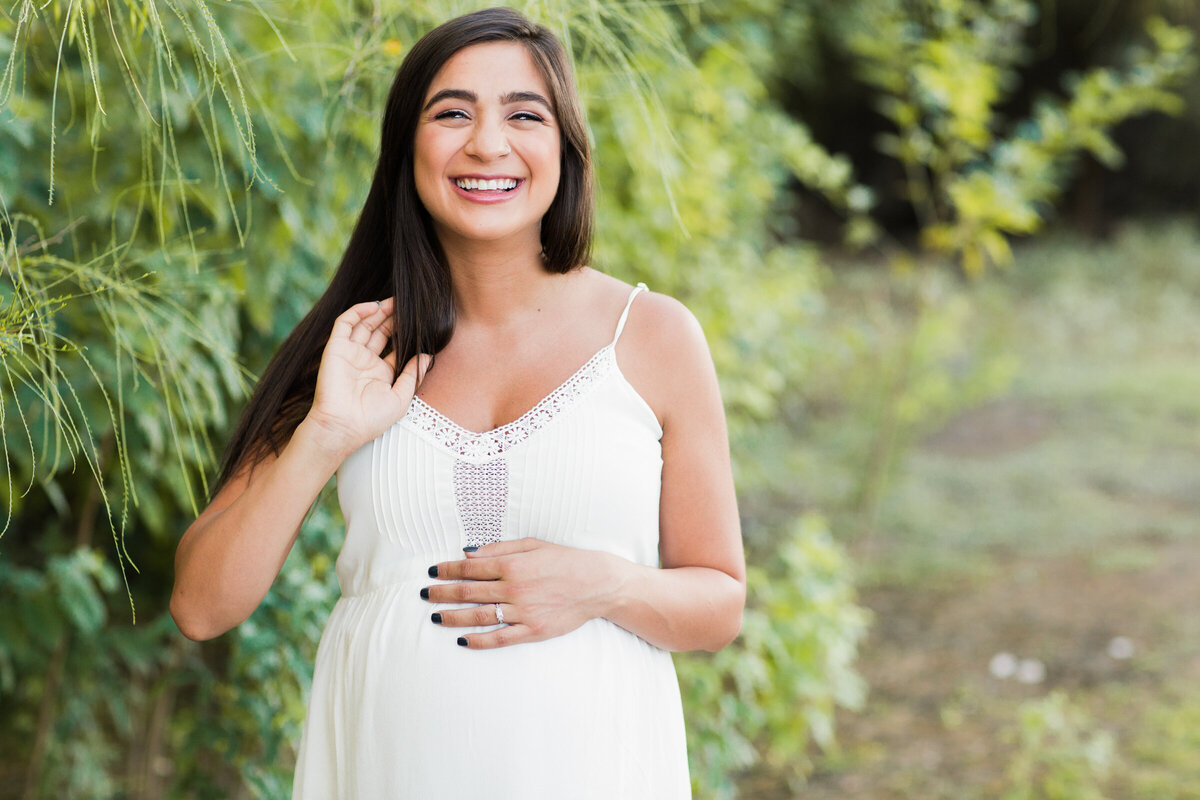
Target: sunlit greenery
[
  {"x": 177, "y": 181},
  {"x": 1053, "y": 521}
]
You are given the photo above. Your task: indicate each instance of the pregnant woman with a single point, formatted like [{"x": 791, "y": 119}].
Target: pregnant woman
[{"x": 531, "y": 459}]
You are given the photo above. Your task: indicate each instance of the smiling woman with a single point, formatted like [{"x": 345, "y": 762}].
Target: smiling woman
[
  {"x": 530, "y": 526},
  {"x": 495, "y": 144}
]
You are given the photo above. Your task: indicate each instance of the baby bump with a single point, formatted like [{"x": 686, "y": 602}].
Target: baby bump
[{"x": 598, "y": 701}]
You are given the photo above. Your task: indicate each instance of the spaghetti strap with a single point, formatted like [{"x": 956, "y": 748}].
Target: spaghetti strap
[{"x": 641, "y": 287}]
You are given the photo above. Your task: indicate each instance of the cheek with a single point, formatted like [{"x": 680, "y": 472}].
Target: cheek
[
  {"x": 426, "y": 173},
  {"x": 552, "y": 170}
]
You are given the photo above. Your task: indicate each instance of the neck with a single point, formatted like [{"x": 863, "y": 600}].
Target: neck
[{"x": 497, "y": 283}]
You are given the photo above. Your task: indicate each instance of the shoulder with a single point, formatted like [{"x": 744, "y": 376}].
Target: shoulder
[
  {"x": 659, "y": 319},
  {"x": 653, "y": 319},
  {"x": 665, "y": 357}
]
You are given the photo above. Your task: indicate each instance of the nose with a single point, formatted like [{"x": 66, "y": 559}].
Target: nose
[{"x": 488, "y": 141}]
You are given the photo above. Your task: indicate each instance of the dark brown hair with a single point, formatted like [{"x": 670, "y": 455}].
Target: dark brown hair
[{"x": 393, "y": 249}]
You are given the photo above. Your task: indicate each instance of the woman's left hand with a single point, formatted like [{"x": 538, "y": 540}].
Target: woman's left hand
[{"x": 544, "y": 590}]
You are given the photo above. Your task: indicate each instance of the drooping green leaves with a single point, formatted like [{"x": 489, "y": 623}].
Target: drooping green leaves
[
  {"x": 206, "y": 162},
  {"x": 944, "y": 69}
]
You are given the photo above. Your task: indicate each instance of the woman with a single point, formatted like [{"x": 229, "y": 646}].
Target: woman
[{"x": 526, "y": 537}]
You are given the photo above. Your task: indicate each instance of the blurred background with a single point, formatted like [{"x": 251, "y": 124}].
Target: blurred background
[{"x": 946, "y": 255}]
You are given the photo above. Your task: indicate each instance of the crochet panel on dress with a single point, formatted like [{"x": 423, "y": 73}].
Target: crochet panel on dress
[
  {"x": 481, "y": 497},
  {"x": 490, "y": 444}
]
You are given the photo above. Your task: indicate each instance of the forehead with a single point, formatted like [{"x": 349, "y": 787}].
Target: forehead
[{"x": 490, "y": 70}]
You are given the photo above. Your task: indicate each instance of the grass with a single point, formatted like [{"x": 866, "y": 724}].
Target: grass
[
  {"x": 1043, "y": 515},
  {"x": 1093, "y": 444}
]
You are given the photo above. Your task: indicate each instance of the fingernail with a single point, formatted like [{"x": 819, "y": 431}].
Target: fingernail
[
  {"x": 471, "y": 549},
  {"x": 433, "y": 571},
  {"x": 436, "y": 617},
  {"x": 462, "y": 641},
  {"x": 425, "y": 593}
]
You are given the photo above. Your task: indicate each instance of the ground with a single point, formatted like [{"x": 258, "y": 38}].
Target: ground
[
  {"x": 1056, "y": 521},
  {"x": 937, "y": 718}
]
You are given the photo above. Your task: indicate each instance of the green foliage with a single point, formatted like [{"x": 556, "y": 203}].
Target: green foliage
[
  {"x": 122, "y": 331},
  {"x": 760, "y": 701},
  {"x": 55, "y": 625},
  {"x": 1098, "y": 341},
  {"x": 662, "y": 222},
  {"x": 944, "y": 68},
  {"x": 88, "y": 345},
  {"x": 159, "y": 282},
  {"x": 251, "y": 716},
  {"x": 900, "y": 353},
  {"x": 67, "y": 595},
  {"x": 772, "y": 692},
  {"x": 765, "y": 43},
  {"x": 131, "y": 308},
  {"x": 1059, "y": 756},
  {"x": 1163, "y": 751},
  {"x": 916, "y": 359}
]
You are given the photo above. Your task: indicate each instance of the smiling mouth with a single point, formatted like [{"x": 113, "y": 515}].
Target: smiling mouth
[{"x": 492, "y": 186}]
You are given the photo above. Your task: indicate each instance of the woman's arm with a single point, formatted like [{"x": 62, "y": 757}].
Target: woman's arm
[
  {"x": 228, "y": 558},
  {"x": 548, "y": 589},
  {"x": 695, "y": 600}
]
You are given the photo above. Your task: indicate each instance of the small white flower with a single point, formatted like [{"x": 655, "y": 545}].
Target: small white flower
[
  {"x": 1030, "y": 670},
  {"x": 1003, "y": 666},
  {"x": 1120, "y": 648}
]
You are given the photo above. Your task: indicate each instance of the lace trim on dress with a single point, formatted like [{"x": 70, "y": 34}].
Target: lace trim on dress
[
  {"x": 489, "y": 444},
  {"x": 481, "y": 498}
]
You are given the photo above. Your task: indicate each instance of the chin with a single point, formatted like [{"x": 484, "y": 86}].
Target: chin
[{"x": 496, "y": 234}]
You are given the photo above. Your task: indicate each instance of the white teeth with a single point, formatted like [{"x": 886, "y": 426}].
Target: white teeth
[{"x": 495, "y": 185}]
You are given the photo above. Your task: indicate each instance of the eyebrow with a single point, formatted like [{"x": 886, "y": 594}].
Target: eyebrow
[{"x": 471, "y": 97}]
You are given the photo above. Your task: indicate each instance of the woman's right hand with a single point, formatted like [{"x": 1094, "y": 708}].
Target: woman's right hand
[{"x": 356, "y": 399}]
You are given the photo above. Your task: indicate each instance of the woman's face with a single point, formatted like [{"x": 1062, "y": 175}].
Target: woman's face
[{"x": 487, "y": 147}]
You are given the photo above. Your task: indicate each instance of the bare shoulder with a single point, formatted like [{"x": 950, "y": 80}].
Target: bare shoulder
[
  {"x": 661, "y": 319},
  {"x": 651, "y": 314},
  {"x": 664, "y": 355}
]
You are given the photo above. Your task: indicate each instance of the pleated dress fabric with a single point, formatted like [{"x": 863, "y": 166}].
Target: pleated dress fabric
[{"x": 398, "y": 709}]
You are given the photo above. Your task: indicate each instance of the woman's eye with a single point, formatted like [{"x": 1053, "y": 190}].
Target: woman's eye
[
  {"x": 526, "y": 116},
  {"x": 452, "y": 113}
]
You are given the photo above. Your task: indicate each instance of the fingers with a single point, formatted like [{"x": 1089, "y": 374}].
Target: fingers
[
  {"x": 501, "y": 637},
  {"x": 487, "y": 562},
  {"x": 379, "y": 336},
  {"x": 486, "y": 591},
  {"x": 511, "y": 631},
  {"x": 406, "y": 384},
  {"x": 507, "y": 547},
  {"x": 359, "y": 320},
  {"x": 390, "y": 360},
  {"x": 376, "y": 317},
  {"x": 484, "y": 569},
  {"x": 476, "y": 616}
]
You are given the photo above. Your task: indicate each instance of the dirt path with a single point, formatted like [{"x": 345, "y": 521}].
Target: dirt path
[{"x": 937, "y": 718}]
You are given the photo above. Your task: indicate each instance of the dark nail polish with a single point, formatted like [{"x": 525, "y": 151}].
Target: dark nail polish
[
  {"x": 425, "y": 593},
  {"x": 471, "y": 549},
  {"x": 462, "y": 641},
  {"x": 436, "y": 617},
  {"x": 433, "y": 571}
]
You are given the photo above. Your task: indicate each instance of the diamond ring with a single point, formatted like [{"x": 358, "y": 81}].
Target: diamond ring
[{"x": 499, "y": 614}]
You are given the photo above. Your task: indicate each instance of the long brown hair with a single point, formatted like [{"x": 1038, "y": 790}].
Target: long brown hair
[{"x": 395, "y": 230}]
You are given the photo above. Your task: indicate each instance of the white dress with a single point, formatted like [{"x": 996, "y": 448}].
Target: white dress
[{"x": 398, "y": 709}]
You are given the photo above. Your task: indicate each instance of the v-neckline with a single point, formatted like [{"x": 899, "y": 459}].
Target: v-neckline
[{"x": 492, "y": 442}]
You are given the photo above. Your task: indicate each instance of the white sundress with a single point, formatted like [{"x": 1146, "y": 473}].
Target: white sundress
[{"x": 398, "y": 709}]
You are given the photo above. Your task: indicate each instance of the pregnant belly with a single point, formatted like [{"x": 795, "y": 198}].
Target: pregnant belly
[{"x": 394, "y": 697}]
